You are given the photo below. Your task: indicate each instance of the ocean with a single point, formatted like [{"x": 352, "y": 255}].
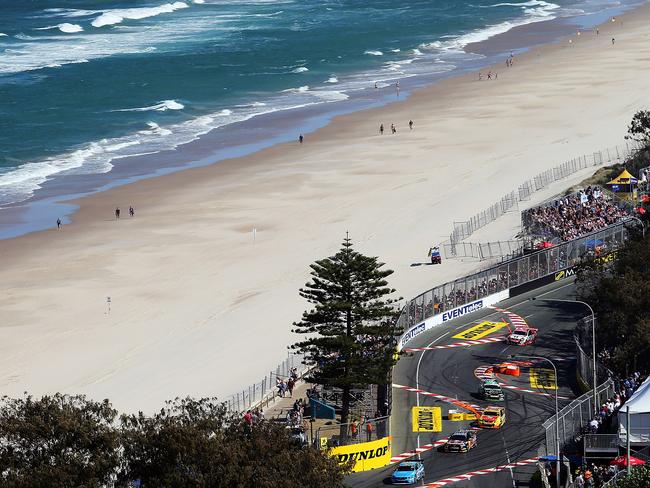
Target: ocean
[{"x": 89, "y": 86}]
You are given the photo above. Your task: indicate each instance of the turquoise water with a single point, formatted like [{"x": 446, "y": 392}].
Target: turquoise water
[{"x": 86, "y": 83}]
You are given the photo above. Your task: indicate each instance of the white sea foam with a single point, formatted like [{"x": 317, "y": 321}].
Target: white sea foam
[
  {"x": 64, "y": 49},
  {"x": 417, "y": 52},
  {"x": 64, "y": 27},
  {"x": 162, "y": 106},
  {"x": 2, "y": 34},
  {"x": 300, "y": 89},
  {"x": 97, "y": 157},
  {"x": 331, "y": 95},
  {"x": 543, "y": 11},
  {"x": 69, "y": 12},
  {"x": 395, "y": 50},
  {"x": 70, "y": 28},
  {"x": 332, "y": 79},
  {"x": 374, "y": 53},
  {"x": 117, "y": 16},
  {"x": 300, "y": 69},
  {"x": 198, "y": 2}
]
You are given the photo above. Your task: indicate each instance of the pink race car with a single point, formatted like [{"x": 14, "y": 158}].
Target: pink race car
[{"x": 522, "y": 336}]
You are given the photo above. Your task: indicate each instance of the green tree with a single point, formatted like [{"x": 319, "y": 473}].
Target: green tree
[
  {"x": 620, "y": 295},
  {"x": 57, "y": 441},
  {"x": 198, "y": 444},
  {"x": 639, "y": 128},
  {"x": 351, "y": 331},
  {"x": 639, "y": 478}
]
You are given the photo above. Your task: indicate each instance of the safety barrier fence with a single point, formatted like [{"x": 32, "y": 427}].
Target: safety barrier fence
[
  {"x": 456, "y": 296},
  {"x": 262, "y": 393},
  {"x": 574, "y": 417},
  {"x": 510, "y": 201},
  {"x": 584, "y": 362},
  {"x": 364, "y": 430},
  {"x": 484, "y": 250}
]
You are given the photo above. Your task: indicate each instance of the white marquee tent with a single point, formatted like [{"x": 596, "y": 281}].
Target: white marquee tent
[{"x": 639, "y": 405}]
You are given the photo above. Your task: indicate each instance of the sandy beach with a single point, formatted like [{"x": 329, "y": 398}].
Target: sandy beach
[{"x": 199, "y": 307}]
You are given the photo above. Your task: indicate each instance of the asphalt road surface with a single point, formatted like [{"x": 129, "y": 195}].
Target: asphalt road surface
[{"x": 451, "y": 372}]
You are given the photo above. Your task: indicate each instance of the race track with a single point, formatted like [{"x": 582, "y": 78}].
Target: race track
[{"x": 450, "y": 372}]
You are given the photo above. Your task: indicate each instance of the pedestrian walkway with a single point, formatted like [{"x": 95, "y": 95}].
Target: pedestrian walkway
[{"x": 281, "y": 405}]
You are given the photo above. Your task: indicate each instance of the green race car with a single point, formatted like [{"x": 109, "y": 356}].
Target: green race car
[{"x": 490, "y": 390}]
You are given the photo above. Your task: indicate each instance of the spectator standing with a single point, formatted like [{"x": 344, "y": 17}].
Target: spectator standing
[
  {"x": 369, "y": 430},
  {"x": 290, "y": 384},
  {"x": 354, "y": 430}
]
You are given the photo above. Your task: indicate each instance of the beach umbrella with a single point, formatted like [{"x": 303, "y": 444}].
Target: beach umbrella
[{"x": 622, "y": 461}]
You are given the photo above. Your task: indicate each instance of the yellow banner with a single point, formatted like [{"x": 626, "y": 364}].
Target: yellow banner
[
  {"x": 480, "y": 330},
  {"x": 543, "y": 379},
  {"x": 366, "y": 455},
  {"x": 427, "y": 419}
]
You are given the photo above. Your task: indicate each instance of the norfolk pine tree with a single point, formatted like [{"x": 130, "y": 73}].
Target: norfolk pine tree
[{"x": 351, "y": 330}]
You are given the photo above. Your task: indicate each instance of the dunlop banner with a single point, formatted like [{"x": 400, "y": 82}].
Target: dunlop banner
[
  {"x": 427, "y": 419},
  {"x": 366, "y": 455}
]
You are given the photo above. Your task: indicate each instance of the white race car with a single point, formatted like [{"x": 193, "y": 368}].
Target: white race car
[{"x": 522, "y": 336}]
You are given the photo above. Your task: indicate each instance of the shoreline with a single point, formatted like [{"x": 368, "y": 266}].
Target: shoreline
[
  {"x": 192, "y": 293},
  {"x": 216, "y": 146}
]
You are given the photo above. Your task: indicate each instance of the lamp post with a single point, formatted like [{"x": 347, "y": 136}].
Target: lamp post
[
  {"x": 593, "y": 340},
  {"x": 557, "y": 417}
]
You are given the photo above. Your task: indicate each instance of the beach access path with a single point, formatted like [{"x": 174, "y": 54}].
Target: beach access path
[{"x": 199, "y": 307}]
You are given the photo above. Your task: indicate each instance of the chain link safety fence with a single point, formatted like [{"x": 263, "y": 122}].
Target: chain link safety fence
[
  {"x": 264, "y": 392},
  {"x": 510, "y": 201},
  {"x": 364, "y": 430},
  {"x": 573, "y": 418},
  {"x": 584, "y": 362},
  {"x": 559, "y": 261},
  {"x": 483, "y": 251}
]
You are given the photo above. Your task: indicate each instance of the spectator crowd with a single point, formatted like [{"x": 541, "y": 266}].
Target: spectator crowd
[
  {"x": 594, "y": 476},
  {"x": 575, "y": 215}
]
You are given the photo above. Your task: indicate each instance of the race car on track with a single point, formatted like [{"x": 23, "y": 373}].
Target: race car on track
[
  {"x": 461, "y": 441},
  {"x": 510, "y": 369},
  {"x": 408, "y": 473},
  {"x": 492, "y": 418},
  {"x": 491, "y": 390},
  {"x": 522, "y": 336}
]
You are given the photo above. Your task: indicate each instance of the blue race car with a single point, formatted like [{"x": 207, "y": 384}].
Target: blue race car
[{"x": 408, "y": 473}]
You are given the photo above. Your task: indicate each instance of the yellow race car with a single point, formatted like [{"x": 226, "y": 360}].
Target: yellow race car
[{"x": 492, "y": 418}]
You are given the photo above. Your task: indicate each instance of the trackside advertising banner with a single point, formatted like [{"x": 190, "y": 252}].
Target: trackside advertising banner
[
  {"x": 366, "y": 455},
  {"x": 454, "y": 313}
]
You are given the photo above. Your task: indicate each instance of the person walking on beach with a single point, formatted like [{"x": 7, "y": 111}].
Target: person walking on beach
[
  {"x": 300, "y": 138},
  {"x": 489, "y": 75},
  {"x": 58, "y": 223},
  {"x": 411, "y": 124},
  {"x": 393, "y": 129},
  {"x": 613, "y": 40},
  {"x": 480, "y": 76},
  {"x": 381, "y": 129},
  {"x": 131, "y": 211},
  {"x": 376, "y": 85},
  {"x": 117, "y": 213}
]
